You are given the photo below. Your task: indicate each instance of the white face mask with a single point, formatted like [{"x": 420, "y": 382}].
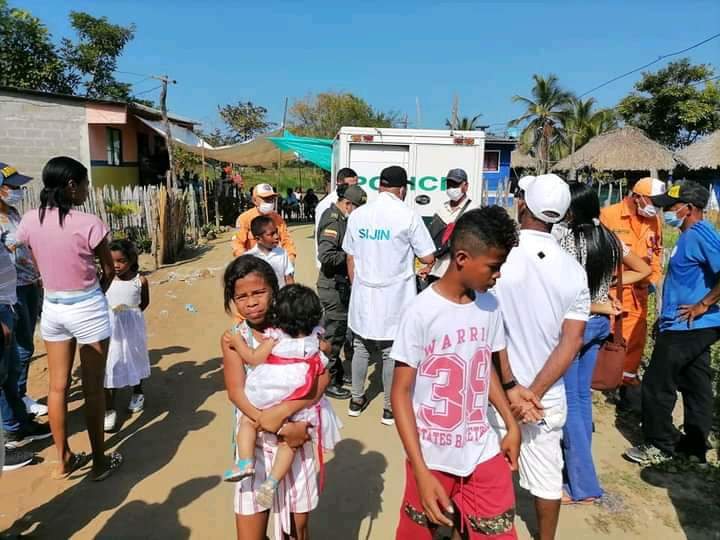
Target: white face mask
[
  {"x": 266, "y": 207},
  {"x": 13, "y": 198},
  {"x": 648, "y": 211},
  {"x": 454, "y": 194}
]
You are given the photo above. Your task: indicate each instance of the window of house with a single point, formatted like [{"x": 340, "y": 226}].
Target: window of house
[
  {"x": 114, "y": 146},
  {"x": 491, "y": 161}
]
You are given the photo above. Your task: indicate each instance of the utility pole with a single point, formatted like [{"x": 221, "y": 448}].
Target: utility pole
[
  {"x": 454, "y": 120},
  {"x": 284, "y": 116},
  {"x": 418, "y": 124},
  {"x": 163, "y": 109}
]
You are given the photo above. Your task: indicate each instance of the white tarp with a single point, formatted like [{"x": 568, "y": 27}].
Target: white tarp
[{"x": 180, "y": 134}]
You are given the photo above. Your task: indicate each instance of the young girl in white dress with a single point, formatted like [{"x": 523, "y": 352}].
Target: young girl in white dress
[
  {"x": 128, "y": 362},
  {"x": 284, "y": 367}
]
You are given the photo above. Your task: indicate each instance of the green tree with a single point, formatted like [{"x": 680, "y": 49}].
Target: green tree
[
  {"x": 91, "y": 61},
  {"x": 465, "y": 123},
  {"x": 582, "y": 121},
  {"x": 28, "y": 58},
  {"x": 675, "y": 105},
  {"x": 544, "y": 112},
  {"x": 323, "y": 115},
  {"x": 245, "y": 120}
]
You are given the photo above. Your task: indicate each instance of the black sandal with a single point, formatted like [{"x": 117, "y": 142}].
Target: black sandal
[
  {"x": 76, "y": 461},
  {"x": 116, "y": 461}
]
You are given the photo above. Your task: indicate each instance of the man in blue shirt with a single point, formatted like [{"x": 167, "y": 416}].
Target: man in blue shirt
[{"x": 689, "y": 324}]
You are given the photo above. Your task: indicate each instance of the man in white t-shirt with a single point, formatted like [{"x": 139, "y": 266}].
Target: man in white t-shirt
[
  {"x": 458, "y": 472},
  {"x": 382, "y": 240},
  {"x": 268, "y": 248},
  {"x": 545, "y": 303},
  {"x": 345, "y": 177},
  {"x": 457, "y": 204}
]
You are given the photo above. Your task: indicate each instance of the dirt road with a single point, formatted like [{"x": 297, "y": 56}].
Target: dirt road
[{"x": 176, "y": 449}]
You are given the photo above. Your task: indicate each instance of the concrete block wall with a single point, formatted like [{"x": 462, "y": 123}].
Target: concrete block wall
[{"x": 34, "y": 129}]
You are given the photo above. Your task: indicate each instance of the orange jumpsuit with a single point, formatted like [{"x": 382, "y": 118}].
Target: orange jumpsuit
[
  {"x": 243, "y": 239},
  {"x": 643, "y": 236}
]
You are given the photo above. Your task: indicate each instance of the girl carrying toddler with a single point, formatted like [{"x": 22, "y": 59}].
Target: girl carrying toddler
[{"x": 284, "y": 367}]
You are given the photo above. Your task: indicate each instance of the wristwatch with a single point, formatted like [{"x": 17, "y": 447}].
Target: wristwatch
[{"x": 509, "y": 385}]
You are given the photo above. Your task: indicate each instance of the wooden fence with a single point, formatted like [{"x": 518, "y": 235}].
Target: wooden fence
[{"x": 157, "y": 220}]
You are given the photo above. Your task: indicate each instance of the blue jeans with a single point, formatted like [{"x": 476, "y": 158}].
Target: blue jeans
[
  {"x": 27, "y": 310},
  {"x": 582, "y": 480},
  {"x": 12, "y": 408}
]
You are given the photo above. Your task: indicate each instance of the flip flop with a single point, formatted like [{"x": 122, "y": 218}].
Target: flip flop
[
  {"x": 77, "y": 461},
  {"x": 116, "y": 461},
  {"x": 567, "y": 501}
]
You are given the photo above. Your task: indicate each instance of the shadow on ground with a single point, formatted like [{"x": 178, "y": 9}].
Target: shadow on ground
[
  {"x": 148, "y": 444},
  {"x": 695, "y": 494},
  {"x": 352, "y": 494}
]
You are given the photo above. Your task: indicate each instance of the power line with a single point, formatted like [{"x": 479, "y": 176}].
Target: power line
[
  {"x": 148, "y": 91},
  {"x": 658, "y": 59}
]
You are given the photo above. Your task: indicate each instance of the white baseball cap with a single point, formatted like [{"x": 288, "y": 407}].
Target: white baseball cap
[
  {"x": 547, "y": 196},
  {"x": 264, "y": 190}
]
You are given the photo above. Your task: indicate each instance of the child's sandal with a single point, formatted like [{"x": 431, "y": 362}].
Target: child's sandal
[
  {"x": 242, "y": 469},
  {"x": 266, "y": 493}
]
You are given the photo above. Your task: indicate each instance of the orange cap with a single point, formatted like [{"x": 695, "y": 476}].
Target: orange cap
[{"x": 649, "y": 187}]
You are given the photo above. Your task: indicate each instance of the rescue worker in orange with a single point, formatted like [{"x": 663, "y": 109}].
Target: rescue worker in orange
[
  {"x": 636, "y": 222},
  {"x": 264, "y": 198}
]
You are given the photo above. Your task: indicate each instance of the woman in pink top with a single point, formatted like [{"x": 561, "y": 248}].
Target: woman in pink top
[{"x": 66, "y": 244}]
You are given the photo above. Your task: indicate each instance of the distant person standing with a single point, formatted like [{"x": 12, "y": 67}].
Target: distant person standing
[
  {"x": 382, "y": 240},
  {"x": 333, "y": 283},
  {"x": 264, "y": 198},
  {"x": 27, "y": 309},
  {"x": 545, "y": 302},
  {"x": 458, "y": 203},
  {"x": 635, "y": 222},
  {"x": 345, "y": 177},
  {"x": 689, "y": 325}
]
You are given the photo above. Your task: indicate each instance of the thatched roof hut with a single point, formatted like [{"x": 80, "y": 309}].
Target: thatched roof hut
[
  {"x": 702, "y": 154},
  {"x": 625, "y": 149},
  {"x": 521, "y": 160}
]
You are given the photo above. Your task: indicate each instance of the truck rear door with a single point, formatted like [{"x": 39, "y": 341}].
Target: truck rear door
[{"x": 369, "y": 159}]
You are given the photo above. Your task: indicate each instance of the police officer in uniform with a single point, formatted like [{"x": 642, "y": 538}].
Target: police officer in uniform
[{"x": 333, "y": 283}]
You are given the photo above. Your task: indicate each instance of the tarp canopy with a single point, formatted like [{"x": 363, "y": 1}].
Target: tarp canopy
[
  {"x": 182, "y": 135},
  {"x": 316, "y": 151}
]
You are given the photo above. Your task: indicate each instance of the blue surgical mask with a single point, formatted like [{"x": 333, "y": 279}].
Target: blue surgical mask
[
  {"x": 13, "y": 198},
  {"x": 672, "y": 220}
]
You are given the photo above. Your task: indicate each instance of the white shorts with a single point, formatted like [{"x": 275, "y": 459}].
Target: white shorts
[
  {"x": 541, "y": 459},
  {"x": 87, "y": 321}
]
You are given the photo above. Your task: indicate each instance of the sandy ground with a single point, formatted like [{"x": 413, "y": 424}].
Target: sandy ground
[{"x": 178, "y": 446}]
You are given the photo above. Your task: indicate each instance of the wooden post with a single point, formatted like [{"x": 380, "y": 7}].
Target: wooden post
[
  {"x": 205, "y": 183},
  {"x": 166, "y": 121}
]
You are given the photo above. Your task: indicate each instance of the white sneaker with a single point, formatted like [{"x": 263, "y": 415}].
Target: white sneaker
[
  {"x": 33, "y": 407},
  {"x": 137, "y": 402},
  {"x": 110, "y": 420}
]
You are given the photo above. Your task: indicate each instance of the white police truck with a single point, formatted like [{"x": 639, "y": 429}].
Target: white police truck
[{"x": 427, "y": 155}]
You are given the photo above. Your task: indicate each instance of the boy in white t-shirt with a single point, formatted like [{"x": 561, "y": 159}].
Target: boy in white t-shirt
[
  {"x": 268, "y": 248},
  {"x": 458, "y": 471}
]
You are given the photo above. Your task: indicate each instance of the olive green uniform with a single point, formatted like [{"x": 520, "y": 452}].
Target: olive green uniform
[{"x": 333, "y": 285}]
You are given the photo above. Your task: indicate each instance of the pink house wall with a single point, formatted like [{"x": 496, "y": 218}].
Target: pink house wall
[{"x": 98, "y": 141}]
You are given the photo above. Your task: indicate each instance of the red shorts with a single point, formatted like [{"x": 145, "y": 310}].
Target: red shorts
[{"x": 485, "y": 501}]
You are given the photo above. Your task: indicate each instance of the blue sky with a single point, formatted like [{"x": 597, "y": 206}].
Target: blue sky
[{"x": 393, "y": 51}]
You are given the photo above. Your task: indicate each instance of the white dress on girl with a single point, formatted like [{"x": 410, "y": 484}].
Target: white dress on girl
[
  {"x": 289, "y": 373},
  {"x": 128, "y": 361}
]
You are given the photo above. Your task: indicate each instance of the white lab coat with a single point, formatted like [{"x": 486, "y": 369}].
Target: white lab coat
[{"x": 384, "y": 237}]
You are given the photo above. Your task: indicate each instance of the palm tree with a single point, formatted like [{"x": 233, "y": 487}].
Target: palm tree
[
  {"x": 580, "y": 123},
  {"x": 544, "y": 112},
  {"x": 465, "y": 123}
]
